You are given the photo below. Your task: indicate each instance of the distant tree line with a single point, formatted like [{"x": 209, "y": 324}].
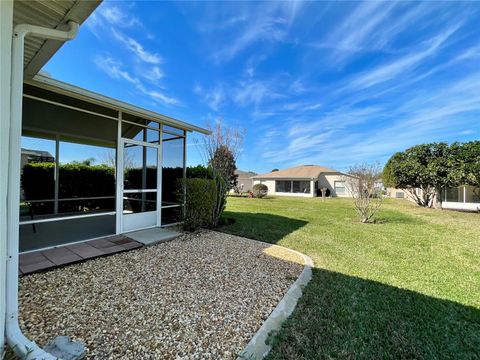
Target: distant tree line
[{"x": 432, "y": 168}]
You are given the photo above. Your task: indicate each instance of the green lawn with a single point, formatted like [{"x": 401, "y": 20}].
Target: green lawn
[{"x": 408, "y": 287}]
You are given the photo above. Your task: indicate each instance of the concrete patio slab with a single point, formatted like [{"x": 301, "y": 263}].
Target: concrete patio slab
[
  {"x": 68, "y": 254},
  {"x": 153, "y": 236},
  {"x": 85, "y": 250}
]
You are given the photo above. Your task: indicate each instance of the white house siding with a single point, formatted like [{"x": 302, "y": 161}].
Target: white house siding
[
  {"x": 325, "y": 180},
  {"x": 328, "y": 181}
]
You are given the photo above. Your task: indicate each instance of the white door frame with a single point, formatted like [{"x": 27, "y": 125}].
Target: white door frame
[{"x": 120, "y": 184}]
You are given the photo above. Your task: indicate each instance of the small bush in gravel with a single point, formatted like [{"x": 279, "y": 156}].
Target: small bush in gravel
[
  {"x": 260, "y": 190},
  {"x": 200, "y": 199}
]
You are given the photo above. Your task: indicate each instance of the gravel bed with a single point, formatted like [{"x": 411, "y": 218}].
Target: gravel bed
[{"x": 201, "y": 296}]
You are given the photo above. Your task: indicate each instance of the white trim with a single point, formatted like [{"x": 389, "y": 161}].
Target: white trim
[
  {"x": 72, "y": 217},
  {"x": 69, "y": 107},
  {"x": 159, "y": 177},
  {"x": 139, "y": 221},
  {"x": 450, "y": 205},
  {"x": 137, "y": 191},
  {"x": 171, "y": 206},
  {"x": 6, "y": 25},
  {"x": 119, "y": 177}
]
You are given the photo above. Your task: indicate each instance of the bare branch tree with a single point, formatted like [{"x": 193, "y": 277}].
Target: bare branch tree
[
  {"x": 222, "y": 137},
  {"x": 362, "y": 184}
]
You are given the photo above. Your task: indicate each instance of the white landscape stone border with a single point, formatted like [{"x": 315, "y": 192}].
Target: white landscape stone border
[{"x": 257, "y": 348}]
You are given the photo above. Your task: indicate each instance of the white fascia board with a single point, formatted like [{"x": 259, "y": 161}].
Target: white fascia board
[{"x": 96, "y": 98}]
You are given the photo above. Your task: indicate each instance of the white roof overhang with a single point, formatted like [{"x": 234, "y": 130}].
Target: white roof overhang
[
  {"x": 53, "y": 14},
  {"x": 63, "y": 88}
]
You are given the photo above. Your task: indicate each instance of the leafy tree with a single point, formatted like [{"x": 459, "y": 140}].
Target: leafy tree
[
  {"x": 223, "y": 161},
  {"x": 428, "y": 167},
  {"x": 469, "y": 155}
]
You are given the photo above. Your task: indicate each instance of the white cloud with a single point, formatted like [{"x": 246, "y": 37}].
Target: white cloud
[
  {"x": 400, "y": 66},
  {"x": 136, "y": 48},
  {"x": 333, "y": 140},
  {"x": 115, "y": 69}
]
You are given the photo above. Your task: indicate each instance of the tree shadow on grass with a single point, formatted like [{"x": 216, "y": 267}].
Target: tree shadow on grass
[
  {"x": 346, "y": 317},
  {"x": 264, "y": 227},
  {"x": 397, "y": 217}
]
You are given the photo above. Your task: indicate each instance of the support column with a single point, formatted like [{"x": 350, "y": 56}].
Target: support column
[{"x": 6, "y": 27}]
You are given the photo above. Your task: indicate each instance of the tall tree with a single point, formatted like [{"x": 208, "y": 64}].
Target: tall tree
[
  {"x": 422, "y": 170},
  {"x": 469, "y": 155}
]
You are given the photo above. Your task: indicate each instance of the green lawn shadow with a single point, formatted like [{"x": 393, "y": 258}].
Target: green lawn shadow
[
  {"x": 258, "y": 226},
  {"x": 346, "y": 317}
]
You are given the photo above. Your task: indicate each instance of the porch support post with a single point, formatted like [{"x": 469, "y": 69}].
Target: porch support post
[
  {"x": 6, "y": 27},
  {"x": 119, "y": 177},
  {"x": 23, "y": 347}
]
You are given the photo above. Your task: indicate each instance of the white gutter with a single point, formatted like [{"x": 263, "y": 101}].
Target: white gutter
[{"x": 23, "y": 347}]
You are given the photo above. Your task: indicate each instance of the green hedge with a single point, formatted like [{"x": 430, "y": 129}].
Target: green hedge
[{"x": 200, "y": 200}]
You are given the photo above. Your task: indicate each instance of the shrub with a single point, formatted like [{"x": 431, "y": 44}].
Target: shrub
[
  {"x": 260, "y": 190},
  {"x": 200, "y": 201}
]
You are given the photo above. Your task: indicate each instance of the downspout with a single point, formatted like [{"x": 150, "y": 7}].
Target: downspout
[{"x": 23, "y": 347}]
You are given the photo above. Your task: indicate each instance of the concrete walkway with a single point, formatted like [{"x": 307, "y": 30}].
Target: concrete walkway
[{"x": 152, "y": 236}]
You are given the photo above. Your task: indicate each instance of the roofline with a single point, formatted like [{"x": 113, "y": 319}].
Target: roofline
[
  {"x": 298, "y": 177},
  {"x": 64, "y": 88},
  {"x": 80, "y": 10}
]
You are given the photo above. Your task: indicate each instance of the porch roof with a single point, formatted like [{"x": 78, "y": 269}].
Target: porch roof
[
  {"x": 53, "y": 14},
  {"x": 76, "y": 92}
]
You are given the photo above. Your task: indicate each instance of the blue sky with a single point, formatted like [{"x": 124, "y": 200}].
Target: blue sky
[{"x": 328, "y": 83}]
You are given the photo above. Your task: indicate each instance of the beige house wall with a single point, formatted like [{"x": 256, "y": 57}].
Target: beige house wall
[{"x": 325, "y": 180}]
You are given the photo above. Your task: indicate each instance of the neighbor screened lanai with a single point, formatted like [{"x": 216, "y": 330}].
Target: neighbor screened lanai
[{"x": 92, "y": 166}]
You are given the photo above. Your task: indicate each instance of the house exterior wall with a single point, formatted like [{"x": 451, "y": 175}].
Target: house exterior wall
[
  {"x": 325, "y": 180},
  {"x": 6, "y": 24},
  {"x": 328, "y": 181},
  {"x": 246, "y": 182}
]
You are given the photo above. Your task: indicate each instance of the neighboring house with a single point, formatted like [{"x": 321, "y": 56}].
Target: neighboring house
[
  {"x": 74, "y": 203},
  {"x": 244, "y": 180},
  {"x": 304, "y": 180},
  {"x": 30, "y": 155},
  {"x": 465, "y": 198}
]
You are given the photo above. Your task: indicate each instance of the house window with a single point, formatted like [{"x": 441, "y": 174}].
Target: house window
[
  {"x": 399, "y": 195},
  {"x": 301, "y": 187},
  {"x": 452, "y": 195},
  {"x": 283, "y": 186},
  {"x": 340, "y": 187}
]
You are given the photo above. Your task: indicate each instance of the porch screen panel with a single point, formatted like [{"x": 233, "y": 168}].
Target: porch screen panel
[
  {"x": 77, "y": 172},
  {"x": 37, "y": 192},
  {"x": 283, "y": 186},
  {"x": 172, "y": 173},
  {"x": 86, "y": 178},
  {"x": 301, "y": 187}
]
